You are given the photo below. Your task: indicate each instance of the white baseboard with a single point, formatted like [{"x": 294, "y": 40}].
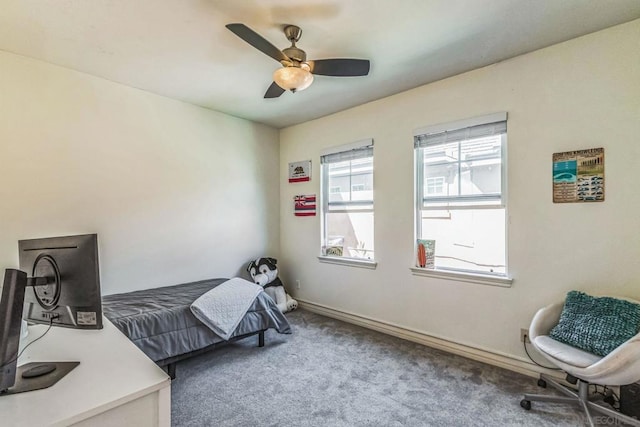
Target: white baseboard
[{"x": 505, "y": 361}]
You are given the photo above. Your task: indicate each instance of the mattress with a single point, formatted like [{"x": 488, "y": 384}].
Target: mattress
[{"x": 159, "y": 321}]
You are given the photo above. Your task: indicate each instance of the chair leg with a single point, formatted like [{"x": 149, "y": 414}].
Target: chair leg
[
  {"x": 585, "y": 408},
  {"x": 572, "y": 396},
  {"x": 581, "y": 398},
  {"x": 550, "y": 399}
]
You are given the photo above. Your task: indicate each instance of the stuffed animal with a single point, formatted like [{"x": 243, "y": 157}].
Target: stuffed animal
[{"x": 264, "y": 272}]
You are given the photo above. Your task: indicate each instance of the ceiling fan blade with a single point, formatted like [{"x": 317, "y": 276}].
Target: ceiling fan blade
[
  {"x": 340, "y": 67},
  {"x": 274, "y": 91},
  {"x": 257, "y": 41}
]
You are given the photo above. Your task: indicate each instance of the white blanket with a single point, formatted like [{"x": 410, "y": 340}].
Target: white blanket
[{"x": 222, "y": 308}]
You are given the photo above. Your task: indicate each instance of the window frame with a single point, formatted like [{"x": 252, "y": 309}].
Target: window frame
[
  {"x": 344, "y": 206},
  {"x": 449, "y": 202}
]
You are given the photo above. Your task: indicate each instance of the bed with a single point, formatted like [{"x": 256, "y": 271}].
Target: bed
[{"x": 160, "y": 322}]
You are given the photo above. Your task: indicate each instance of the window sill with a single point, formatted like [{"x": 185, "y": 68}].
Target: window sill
[
  {"x": 480, "y": 279},
  {"x": 351, "y": 262}
]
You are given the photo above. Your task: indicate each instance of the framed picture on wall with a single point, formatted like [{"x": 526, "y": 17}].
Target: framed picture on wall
[
  {"x": 304, "y": 205},
  {"x": 300, "y": 171},
  {"x": 578, "y": 176}
]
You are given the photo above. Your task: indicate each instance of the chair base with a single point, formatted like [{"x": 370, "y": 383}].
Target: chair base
[{"x": 580, "y": 398}]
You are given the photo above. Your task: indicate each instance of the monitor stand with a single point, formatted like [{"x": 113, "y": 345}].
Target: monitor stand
[{"x": 39, "y": 375}]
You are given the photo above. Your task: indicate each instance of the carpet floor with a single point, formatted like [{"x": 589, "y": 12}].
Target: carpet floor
[{"x": 331, "y": 373}]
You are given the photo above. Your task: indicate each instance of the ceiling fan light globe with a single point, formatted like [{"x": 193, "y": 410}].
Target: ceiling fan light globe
[{"x": 293, "y": 78}]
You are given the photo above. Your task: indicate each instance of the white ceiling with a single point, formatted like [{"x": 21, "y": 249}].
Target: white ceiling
[{"x": 181, "y": 48}]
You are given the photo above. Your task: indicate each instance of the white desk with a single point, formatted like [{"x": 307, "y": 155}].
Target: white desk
[{"x": 114, "y": 385}]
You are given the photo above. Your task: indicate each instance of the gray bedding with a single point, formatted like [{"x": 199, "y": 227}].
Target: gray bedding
[{"x": 161, "y": 324}]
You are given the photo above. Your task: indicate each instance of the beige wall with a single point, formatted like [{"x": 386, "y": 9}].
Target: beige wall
[
  {"x": 175, "y": 192},
  {"x": 580, "y": 94}
]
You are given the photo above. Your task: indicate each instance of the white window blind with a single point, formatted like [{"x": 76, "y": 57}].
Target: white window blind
[
  {"x": 358, "y": 152},
  {"x": 474, "y": 132}
]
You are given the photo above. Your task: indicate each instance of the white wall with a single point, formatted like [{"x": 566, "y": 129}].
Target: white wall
[
  {"x": 584, "y": 93},
  {"x": 175, "y": 192}
]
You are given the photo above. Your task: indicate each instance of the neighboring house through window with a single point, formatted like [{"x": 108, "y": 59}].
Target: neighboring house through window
[
  {"x": 460, "y": 198},
  {"x": 347, "y": 201},
  {"x": 435, "y": 185}
]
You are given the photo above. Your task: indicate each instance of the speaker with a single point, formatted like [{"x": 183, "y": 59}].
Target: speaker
[{"x": 630, "y": 400}]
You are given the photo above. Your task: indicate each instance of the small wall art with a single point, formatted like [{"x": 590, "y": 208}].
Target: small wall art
[
  {"x": 578, "y": 176},
  {"x": 305, "y": 205},
  {"x": 300, "y": 171}
]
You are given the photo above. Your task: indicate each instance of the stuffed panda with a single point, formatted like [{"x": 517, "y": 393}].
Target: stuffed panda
[{"x": 264, "y": 272}]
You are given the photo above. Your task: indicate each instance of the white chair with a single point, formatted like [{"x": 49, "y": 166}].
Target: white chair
[{"x": 620, "y": 367}]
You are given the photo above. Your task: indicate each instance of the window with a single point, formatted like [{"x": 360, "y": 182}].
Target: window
[
  {"x": 435, "y": 185},
  {"x": 347, "y": 201},
  {"x": 460, "y": 203}
]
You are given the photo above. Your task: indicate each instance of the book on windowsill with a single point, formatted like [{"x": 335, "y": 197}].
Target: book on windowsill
[{"x": 426, "y": 253}]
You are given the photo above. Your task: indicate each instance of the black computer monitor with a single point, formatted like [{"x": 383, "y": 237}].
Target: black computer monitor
[
  {"x": 29, "y": 376},
  {"x": 13, "y": 289},
  {"x": 68, "y": 267}
]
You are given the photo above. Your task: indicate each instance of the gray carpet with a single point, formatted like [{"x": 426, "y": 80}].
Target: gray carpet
[{"x": 331, "y": 373}]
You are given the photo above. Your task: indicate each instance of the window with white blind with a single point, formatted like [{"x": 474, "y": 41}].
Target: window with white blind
[
  {"x": 460, "y": 193},
  {"x": 347, "y": 201}
]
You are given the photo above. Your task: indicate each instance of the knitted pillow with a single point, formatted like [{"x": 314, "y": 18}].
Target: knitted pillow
[{"x": 597, "y": 325}]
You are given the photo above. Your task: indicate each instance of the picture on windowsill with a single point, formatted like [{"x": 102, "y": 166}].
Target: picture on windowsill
[
  {"x": 335, "y": 246},
  {"x": 578, "y": 176},
  {"x": 333, "y": 251},
  {"x": 426, "y": 253}
]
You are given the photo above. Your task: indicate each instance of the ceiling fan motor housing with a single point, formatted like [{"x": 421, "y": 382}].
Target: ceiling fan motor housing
[{"x": 298, "y": 55}]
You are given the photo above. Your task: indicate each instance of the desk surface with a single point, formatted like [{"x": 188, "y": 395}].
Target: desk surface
[{"x": 112, "y": 372}]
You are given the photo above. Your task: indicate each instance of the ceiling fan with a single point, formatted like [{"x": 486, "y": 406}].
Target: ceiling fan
[{"x": 297, "y": 73}]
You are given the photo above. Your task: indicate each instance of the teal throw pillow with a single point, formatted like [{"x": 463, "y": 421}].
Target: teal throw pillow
[{"x": 597, "y": 325}]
